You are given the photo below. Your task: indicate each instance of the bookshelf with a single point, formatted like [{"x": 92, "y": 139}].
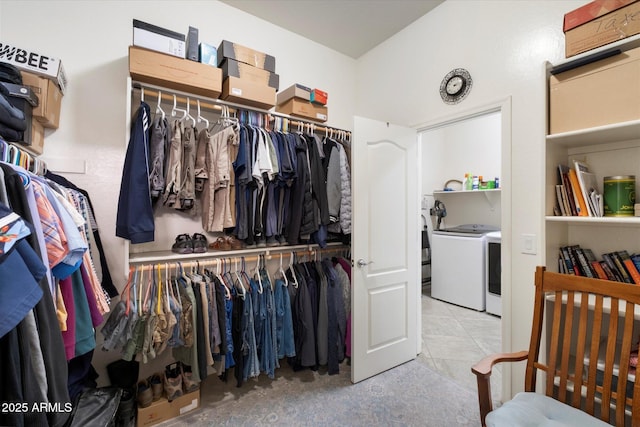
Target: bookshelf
[{"x": 609, "y": 150}]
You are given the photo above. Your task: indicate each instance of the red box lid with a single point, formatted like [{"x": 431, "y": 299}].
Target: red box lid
[{"x": 591, "y": 11}]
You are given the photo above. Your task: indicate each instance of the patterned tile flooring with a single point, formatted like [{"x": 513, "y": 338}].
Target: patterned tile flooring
[{"x": 454, "y": 338}]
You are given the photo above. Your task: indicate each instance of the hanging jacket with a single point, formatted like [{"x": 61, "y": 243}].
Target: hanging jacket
[{"x": 134, "y": 219}]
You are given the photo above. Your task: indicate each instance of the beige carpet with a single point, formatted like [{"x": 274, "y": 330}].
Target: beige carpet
[{"x": 409, "y": 395}]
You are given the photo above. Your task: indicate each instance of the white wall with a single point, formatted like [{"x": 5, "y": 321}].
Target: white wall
[
  {"x": 504, "y": 45},
  {"x": 92, "y": 38}
]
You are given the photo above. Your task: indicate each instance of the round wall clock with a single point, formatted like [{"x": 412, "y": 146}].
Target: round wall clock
[{"x": 455, "y": 86}]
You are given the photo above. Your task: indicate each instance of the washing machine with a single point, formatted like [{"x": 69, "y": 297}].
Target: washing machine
[
  {"x": 493, "y": 296},
  {"x": 458, "y": 265}
]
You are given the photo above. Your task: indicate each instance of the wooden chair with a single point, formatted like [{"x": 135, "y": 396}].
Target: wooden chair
[{"x": 579, "y": 330}]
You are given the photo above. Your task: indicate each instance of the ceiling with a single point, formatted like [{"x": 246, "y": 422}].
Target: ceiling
[{"x": 352, "y": 27}]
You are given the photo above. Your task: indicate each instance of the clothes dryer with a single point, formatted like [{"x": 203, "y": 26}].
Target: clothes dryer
[{"x": 458, "y": 265}]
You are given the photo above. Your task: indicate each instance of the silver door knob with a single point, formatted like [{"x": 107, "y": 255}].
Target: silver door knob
[{"x": 361, "y": 263}]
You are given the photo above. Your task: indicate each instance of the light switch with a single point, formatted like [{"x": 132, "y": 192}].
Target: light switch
[{"x": 529, "y": 244}]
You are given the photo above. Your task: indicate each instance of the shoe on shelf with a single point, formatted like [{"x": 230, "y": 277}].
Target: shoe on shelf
[
  {"x": 187, "y": 379},
  {"x": 183, "y": 244},
  {"x": 144, "y": 395},
  {"x": 200, "y": 244},
  {"x": 221, "y": 244},
  {"x": 234, "y": 243},
  {"x": 272, "y": 241},
  {"x": 155, "y": 381},
  {"x": 172, "y": 381}
]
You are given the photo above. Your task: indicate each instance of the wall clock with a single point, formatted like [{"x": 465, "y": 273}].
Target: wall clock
[{"x": 455, "y": 86}]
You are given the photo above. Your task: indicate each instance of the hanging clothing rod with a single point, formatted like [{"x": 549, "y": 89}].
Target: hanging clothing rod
[
  {"x": 214, "y": 104},
  {"x": 174, "y": 264}
]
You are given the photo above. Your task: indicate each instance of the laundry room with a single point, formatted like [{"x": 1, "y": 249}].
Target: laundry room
[{"x": 461, "y": 210}]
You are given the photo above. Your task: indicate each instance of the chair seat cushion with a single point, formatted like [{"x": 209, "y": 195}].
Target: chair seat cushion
[{"x": 534, "y": 409}]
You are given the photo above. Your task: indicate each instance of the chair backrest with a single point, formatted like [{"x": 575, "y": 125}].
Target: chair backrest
[{"x": 589, "y": 338}]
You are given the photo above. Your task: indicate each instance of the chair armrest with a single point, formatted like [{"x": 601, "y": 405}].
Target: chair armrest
[{"x": 482, "y": 370}]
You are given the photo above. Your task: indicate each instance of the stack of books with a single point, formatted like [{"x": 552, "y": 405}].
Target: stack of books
[
  {"x": 617, "y": 266},
  {"x": 578, "y": 193}
]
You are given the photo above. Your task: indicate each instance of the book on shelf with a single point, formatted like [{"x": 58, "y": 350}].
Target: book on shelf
[
  {"x": 588, "y": 188},
  {"x": 629, "y": 265},
  {"x": 561, "y": 198},
  {"x": 581, "y": 204},
  {"x": 609, "y": 273},
  {"x": 564, "y": 251},
  {"x": 614, "y": 268},
  {"x": 563, "y": 176},
  {"x": 585, "y": 266},
  {"x": 636, "y": 260},
  {"x": 596, "y": 268}
]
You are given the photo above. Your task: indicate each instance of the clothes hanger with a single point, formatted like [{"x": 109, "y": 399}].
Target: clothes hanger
[
  {"x": 187, "y": 114},
  {"x": 282, "y": 272},
  {"x": 293, "y": 272},
  {"x": 227, "y": 291},
  {"x": 256, "y": 274},
  {"x": 175, "y": 110},
  {"x": 200, "y": 118},
  {"x": 159, "y": 107}
]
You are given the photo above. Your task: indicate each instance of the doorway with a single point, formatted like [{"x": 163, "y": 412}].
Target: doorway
[{"x": 476, "y": 142}]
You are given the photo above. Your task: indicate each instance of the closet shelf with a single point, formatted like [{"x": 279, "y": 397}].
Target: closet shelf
[
  {"x": 168, "y": 256},
  {"x": 600, "y": 220}
]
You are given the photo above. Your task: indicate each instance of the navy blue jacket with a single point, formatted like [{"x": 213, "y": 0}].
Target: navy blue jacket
[{"x": 134, "y": 220}]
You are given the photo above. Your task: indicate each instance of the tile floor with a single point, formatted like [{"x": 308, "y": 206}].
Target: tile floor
[{"x": 454, "y": 338}]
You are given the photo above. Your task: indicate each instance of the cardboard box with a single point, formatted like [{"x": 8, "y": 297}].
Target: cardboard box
[
  {"x": 319, "y": 97},
  {"x": 298, "y": 107},
  {"x": 247, "y": 55},
  {"x": 246, "y": 92},
  {"x": 233, "y": 68},
  {"x": 159, "y": 39},
  {"x": 163, "y": 410},
  {"x": 207, "y": 54},
  {"x": 42, "y": 65},
  {"x": 596, "y": 94},
  {"x": 616, "y": 25},
  {"x": 591, "y": 11},
  {"x": 294, "y": 91},
  {"x": 50, "y": 99},
  {"x": 37, "y": 138},
  {"x": 168, "y": 71}
]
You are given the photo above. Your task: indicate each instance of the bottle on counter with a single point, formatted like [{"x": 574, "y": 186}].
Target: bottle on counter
[{"x": 467, "y": 182}]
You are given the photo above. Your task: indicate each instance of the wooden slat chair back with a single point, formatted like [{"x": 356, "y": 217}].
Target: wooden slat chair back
[{"x": 594, "y": 322}]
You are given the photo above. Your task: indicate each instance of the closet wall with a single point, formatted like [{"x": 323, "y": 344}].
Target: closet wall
[{"x": 94, "y": 51}]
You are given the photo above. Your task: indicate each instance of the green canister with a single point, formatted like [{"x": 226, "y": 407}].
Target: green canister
[{"x": 619, "y": 195}]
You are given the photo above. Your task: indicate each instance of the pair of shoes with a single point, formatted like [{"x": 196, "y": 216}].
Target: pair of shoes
[
  {"x": 173, "y": 381},
  {"x": 186, "y": 244},
  {"x": 226, "y": 243},
  {"x": 144, "y": 394}
]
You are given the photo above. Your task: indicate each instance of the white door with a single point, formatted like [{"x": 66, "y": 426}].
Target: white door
[{"x": 385, "y": 247}]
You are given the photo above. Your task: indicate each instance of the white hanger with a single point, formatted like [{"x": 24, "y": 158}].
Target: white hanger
[
  {"x": 142, "y": 95},
  {"x": 239, "y": 279},
  {"x": 282, "y": 273},
  {"x": 293, "y": 272},
  {"x": 256, "y": 273},
  {"x": 200, "y": 118},
  {"x": 187, "y": 114},
  {"x": 175, "y": 110},
  {"x": 158, "y": 107}
]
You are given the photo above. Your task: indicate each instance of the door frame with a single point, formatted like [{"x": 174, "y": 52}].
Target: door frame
[{"x": 503, "y": 106}]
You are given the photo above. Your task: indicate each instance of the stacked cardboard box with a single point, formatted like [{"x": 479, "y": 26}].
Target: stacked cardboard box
[
  {"x": 249, "y": 75},
  {"x": 600, "y": 22},
  {"x": 301, "y": 101}
]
